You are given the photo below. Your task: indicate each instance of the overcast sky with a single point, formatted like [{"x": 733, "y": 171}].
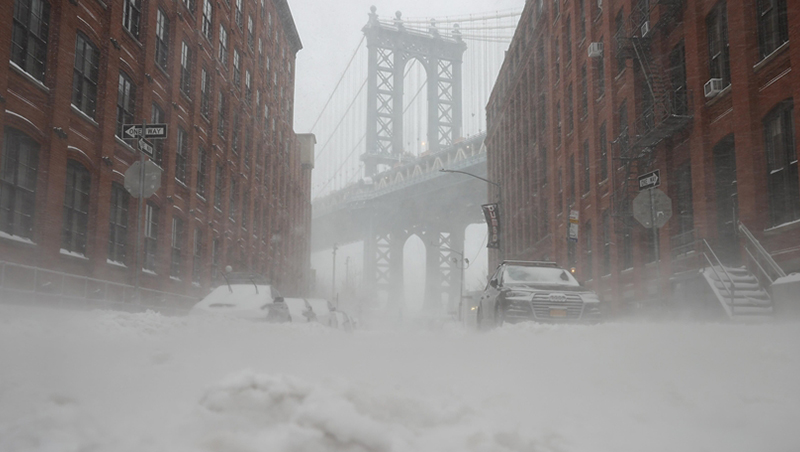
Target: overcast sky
[{"x": 330, "y": 31}]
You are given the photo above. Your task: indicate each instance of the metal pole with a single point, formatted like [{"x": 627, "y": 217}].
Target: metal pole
[
  {"x": 656, "y": 239},
  {"x": 461, "y": 286},
  {"x": 136, "y": 268},
  {"x": 333, "y": 277}
]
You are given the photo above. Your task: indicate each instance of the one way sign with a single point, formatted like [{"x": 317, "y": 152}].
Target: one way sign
[
  {"x": 131, "y": 131},
  {"x": 650, "y": 180}
]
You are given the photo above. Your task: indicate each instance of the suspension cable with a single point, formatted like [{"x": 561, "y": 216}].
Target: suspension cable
[{"x": 339, "y": 82}]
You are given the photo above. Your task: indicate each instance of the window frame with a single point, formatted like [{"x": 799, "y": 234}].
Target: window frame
[
  {"x": 75, "y": 212},
  {"x": 126, "y": 101},
  {"x": 29, "y": 49},
  {"x": 21, "y": 179},
  {"x": 132, "y": 17},
  {"x": 118, "y": 224},
  {"x": 162, "y": 39},
  {"x": 84, "y": 86}
]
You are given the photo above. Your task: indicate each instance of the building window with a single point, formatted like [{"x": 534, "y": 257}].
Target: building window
[
  {"x": 600, "y": 75},
  {"x": 587, "y": 263},
  {"x": 603, "y": 146},
  {"x": 177, "y": 243},
  {"x": 84, "y": 76},
  {"x": 221, "y": 126},
  {"x": 251, "y": 35},
  {"x": 556, "y": 10},
  {"x": 118, "y": 224},
  {"x": 542, "y": 166},
  {"x": 223, "y": 46},
  {"x": 126, "y": 102},
  {"x": 584, "y": 93},
  {"x": 150, "y": 237},
  {"x": 619, "y": 25},
  {"x": 606, "y": 243},
  {"x": 556, "y": 60},
  {"x": 131, "y": 13},
  {"x": 683, "y": 240},
  {"x": 205, "y": 93},
  {"x": 627, "y": 244},
  {"x": 245, "y": 209},
  {"x": 587, "y": 163},
  {"x": 186, "y": 69},
  {"x": 248, "y": 146},
  {"x": 202, "y": 170},
  {"x": 677, "y": 77},
  {"x": 582, "y": 18},
  {"x": 197, "y": 256},
  {"x": 29, "y": 37},
  {"x": 571, "y": 182},
  {"x": 558, "y": 123},
  {"x": 248, "y": 88},
  {"x": 542, "y": 113},
  {"x": 162, "y": 39},
  {"x": 208, "y": 16},
  {"x": 560, "y": 190},
  {"x": 219, "y": 181},
  {"x": 181, "y": 155},
  {"x": 782, "y": 177},
  {"x": 157, "y": 117},
  {"x": 76, "y": 208},
  {"x": 568, "y": 40},
  {"x": 189, "y": 4},
  {"x": 773, "y": 25},
  {"x": 239, "y": 15},
  {"x": 233, "y": 197},
  {"x": 18, "y": 173},
  {"x": 719, "y": 57},
  {"x": 216, "y": 250},
  {"x": 237, "y": 69},
  {"x": 235, "y": 135},
  {"x": 570, "y": 110}
]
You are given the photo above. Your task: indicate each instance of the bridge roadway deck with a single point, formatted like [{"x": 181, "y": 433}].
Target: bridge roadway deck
[{"x": 414, "y": 196}]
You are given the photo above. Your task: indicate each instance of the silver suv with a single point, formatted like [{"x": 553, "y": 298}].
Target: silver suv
[{"x": 539, "y": 291}]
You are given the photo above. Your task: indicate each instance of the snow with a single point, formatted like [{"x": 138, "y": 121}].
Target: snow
[
  {"x": 122, "y": 382},
  {"x": 74, "y": 254},
  {"x": 16, "y": 238},
  {"x": 788, "y": 279}
]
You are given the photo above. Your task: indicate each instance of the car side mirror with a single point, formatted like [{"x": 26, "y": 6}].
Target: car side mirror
[
  {"x": 493, "y": 283},
  {"x": 278, "y": 300}
]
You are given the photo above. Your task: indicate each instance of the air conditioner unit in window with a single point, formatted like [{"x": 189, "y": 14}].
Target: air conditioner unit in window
[
  {"x": 645, "y": 28},
  {"x": 712, "y": 87},
  {"x": 595, "y": 50}
]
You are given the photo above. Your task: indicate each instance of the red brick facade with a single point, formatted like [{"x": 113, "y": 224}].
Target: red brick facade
[
  {"x": 554, "y": 150},
  {"x": 267, "y": 230}
]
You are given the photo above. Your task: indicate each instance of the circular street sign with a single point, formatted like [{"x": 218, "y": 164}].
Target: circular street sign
[
  {"x": 152, "y": 179},
  {"x": 644, "y": 211}
]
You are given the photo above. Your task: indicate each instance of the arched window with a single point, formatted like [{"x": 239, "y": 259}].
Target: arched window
[
  {"x": 76, "y": 208},
  {"x": 18, "y": 173}
]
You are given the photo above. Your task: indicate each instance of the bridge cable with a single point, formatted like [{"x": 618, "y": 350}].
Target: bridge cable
[
  {"x": 344, "y": 116},
  {"x": 339, "y": 82}
]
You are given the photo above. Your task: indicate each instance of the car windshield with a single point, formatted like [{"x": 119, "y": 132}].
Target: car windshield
[{"x": 515, "y": 274}]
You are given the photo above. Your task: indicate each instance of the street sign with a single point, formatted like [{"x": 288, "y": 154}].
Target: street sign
[
  {"x": 652, "y": 208},
  {"x": 146, "y": 147},
  {"x": 650, "y": 180},
  {"x": 572, "y": 231},
  {"x": 152, "y": 179},
  {"x": 131, "y": 131}
]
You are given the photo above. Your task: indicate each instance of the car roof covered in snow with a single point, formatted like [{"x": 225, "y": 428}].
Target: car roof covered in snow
[{"x": 236, "y": 297}]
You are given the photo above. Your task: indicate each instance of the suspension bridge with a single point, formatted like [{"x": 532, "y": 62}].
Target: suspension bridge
[{"x": 409, "y": 103}]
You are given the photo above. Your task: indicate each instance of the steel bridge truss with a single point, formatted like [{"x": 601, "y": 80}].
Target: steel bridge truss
[{"x": 391, "y": 48}]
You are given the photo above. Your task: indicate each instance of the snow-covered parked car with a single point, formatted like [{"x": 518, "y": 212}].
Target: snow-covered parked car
[
  {"x": 539, "y": 291},
  {"x": 247, "y": 301},
  {"x": 300, "y": 311},
  {"x": 323, "y": 309}
]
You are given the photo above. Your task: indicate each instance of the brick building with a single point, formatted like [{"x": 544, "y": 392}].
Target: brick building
[
  {"x": 594, "y": 93},
  {"x": 235, "y": 188}
]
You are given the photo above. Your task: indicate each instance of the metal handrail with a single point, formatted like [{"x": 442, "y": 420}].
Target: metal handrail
[
  {"x": 732, "y": 290},
  {"x": 761, "y": 253}
]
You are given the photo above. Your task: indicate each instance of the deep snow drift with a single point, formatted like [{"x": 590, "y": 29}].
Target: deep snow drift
[{"x": 110, "y": 381}]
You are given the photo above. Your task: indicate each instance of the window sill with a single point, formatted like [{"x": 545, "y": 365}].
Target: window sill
[
  {"x": 124, "y": 144},
  {"x": 781, "y": 228},
  {"x": 16, "y": 238},
  {"x": 84, "y": 115},
  {"x": 134, "y": 38},
  {"x": 722, "y": 94},
  {"x": 769, "y": 58},
  {"x": 181, "y": 183},
  {"x": 163, "y": 71},
  {"x": 116, "y": 263},
  {"x": 149, "y": 272},
  {"x": 73, "y": 254},
  {"x": 36, "y": 82},
  {"x": 626, "y": 271}
]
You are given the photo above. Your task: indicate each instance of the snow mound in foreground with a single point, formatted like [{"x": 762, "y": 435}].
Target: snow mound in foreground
[{"x": 249, "y": 412}]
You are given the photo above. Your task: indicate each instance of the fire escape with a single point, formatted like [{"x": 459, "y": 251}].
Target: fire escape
[{"x": 662, "y": 103}]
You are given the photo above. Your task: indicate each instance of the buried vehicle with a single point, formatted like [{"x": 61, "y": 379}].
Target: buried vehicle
[
  {"x": 242, "y": 300},
  {"x": 538, "y": 291}
]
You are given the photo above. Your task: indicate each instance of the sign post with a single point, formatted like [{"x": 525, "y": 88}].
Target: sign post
[
  {"x": 652, "y": 208},
  {"x": 140, "y": 132}
]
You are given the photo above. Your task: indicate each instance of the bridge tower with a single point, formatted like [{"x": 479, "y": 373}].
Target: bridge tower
[{"x": 391, "y": 48}]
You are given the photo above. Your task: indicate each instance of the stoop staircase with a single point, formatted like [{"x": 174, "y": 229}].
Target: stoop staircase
[{"x": 739, "y": 292}]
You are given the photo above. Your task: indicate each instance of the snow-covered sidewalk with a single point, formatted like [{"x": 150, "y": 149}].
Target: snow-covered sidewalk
[{"x": 119, "y": 382}]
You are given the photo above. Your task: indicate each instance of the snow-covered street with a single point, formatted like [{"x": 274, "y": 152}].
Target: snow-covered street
[{"x": 109, "y": 381}]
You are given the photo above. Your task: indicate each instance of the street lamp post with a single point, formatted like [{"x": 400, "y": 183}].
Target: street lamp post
[
  {"x": 333, "y": 277},
  {"x": 499, "y": 200},
  {"x": 463, "y": 264}
]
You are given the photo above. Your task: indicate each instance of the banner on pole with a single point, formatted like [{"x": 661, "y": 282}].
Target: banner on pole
[{"x": 492, "y": 214}]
